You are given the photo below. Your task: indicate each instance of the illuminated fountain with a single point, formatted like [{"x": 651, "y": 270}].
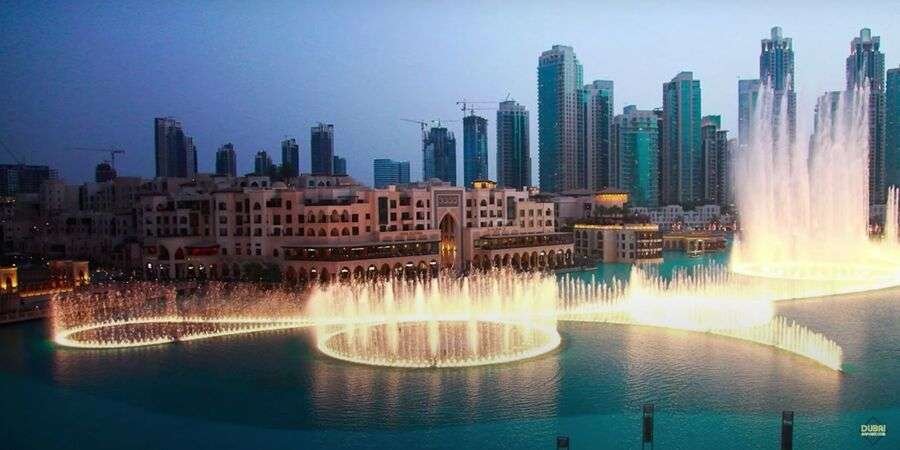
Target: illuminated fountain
[
  {"x": 804, "y": 208},
  {"x": 485, "y": 318}
]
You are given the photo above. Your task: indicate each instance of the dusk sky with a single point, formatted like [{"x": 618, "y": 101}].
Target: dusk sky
[{"x": 95, "y": 75}]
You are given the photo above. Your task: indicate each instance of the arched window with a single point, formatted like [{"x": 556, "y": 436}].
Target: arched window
[
  {"x": 334, "y": 231},
  {"x": 322, "y": 232},
  {"x": 256, "y": 206},
  {"x": 345, "y": 232}
]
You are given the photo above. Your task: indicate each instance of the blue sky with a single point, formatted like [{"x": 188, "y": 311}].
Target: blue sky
[{"x": 96, "y": 74}]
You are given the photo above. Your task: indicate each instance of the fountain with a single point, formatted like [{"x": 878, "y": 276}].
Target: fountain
[{"x": 804, "y": 209}]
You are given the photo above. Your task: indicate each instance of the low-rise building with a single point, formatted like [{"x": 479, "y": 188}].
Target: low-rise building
[{"x": 617, "y": 242}]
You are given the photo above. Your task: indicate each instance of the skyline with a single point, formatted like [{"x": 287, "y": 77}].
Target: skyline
[{"x": 252, "y": 88}]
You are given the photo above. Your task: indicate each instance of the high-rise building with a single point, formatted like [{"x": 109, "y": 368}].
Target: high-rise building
[
  {"x": 439, "y": 155},
  {"x": 176, "y": 155},
  {"x": 865, "y": 65},
  {"x": 339, "y": 165},
  {"x": 475, "y": 149},
  {"x": 596, "y": 118},
  {"x": 290, "y": 158},
  {"x": 226, "y": 161},
  {"x": 634, "y": 155},
  {"x": 560, "y": 77},
  {"x": 262, "y": 164},
  {"x": 892, "y": 128},
  {"x": 390, "y": 172},
  {"x": 680, "y": 151},
  {"x": 776, "y": 69},
  {"x": 104, "y": 172},
  {"x": 513, "y": 149},
  {"x": 748, "y": 91},
  {"x": 714, "y": 171},
  {"x": 23, "y": 179},
  {"x": 321, "y": 149}
]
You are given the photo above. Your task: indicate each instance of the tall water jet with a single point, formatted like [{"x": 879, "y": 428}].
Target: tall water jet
[{"x": 803, "y": 206}]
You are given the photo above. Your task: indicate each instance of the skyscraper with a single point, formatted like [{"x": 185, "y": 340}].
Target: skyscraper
[
  {"x": 321, "y": 149},
  {"x": 262, "y": 164},
  {"x": 560, "y": 76},
  {"x": 748, "y": 91},
  {"x": 176, "y": 155},
  {"x": 892, "y": 128},
  {"x": 339, "y": 165},
  {"x": 390, "y": 172},
  {"x": 714, "y": 161},
  {"x": 866, "y": 65},
  {"x": 634, "y": 155},
  {"x": 226, "y": 161},
  {"x": 596, "y": 118},
  {"x": 23, "y": 179},
  {"x": 776, "y": 68},
  {"x": 475, "y": 149},
  {"x": 513, "y": 150},
  {"x": 680, "y": 151},
  {"x": 439, "y": 155},
  {"x": 290, "y": 158}
]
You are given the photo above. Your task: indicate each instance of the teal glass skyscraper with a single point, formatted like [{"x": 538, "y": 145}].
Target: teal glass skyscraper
[
  {"x": 290, "y": 158},
  {"x": 892, "y": 128},
  {"x": 866, "y": 65},
  {"x": 475, "y": 149},
  {"x": 513, "y": 149},
  {"x": 714, "y": 159},
  {"x": 388, "y": 172},
  {"x": 595, "y": 121},
  {"x": 559, "y": 80},
  {"x": 634, "y": 155},
  {"x": 680, "y": 181}
]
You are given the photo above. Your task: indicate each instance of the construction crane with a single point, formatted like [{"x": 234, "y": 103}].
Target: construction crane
[
  {"x": 431, "y": 123},
  {"x": 14, "y": 156},
  {"x": 112, "y": 152},
  {"x": 468, "y": 105}
]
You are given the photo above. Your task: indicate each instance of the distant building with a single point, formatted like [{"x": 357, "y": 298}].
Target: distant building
[
  {"x": 776, "y": 69},
  {"x": 262, "y": 164},
  {"x": 513, "y": 149},
  {"x": 560, "y": 77},
  {"x": 321, "y": 149},
  {"x": 439, "y": 155},
  {"x": 23, "y": 178},
  {"x": 595, "y": 120},
  {"x": 866, "y": 65},
  {"x": 339, "y": 165},
  {"x": 714, "y": 161},
  {"x": 680, "y": 154},
  {"x": 748, "y": 91},
  {"x": 104, "y": 172},
  {"x": 290, "y": 158},
  {"x": 475, "y": 149},
  {"x": 226, "y": 161},
  {"x": 634, "y": 156},
  {"x": 176, "y": 155},
  {"x": 387, "y": 172},
  {"x": 892, "y": 128}
]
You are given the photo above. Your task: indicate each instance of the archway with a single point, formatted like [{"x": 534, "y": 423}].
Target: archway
[{"x": 448, "y": 241}]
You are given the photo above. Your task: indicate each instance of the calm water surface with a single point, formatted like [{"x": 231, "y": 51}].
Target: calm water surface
[{"x": 273, "y": 390}]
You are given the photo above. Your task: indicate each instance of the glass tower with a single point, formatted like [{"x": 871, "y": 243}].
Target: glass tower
[
  {"x": 559, "y": 80},
  {"x": 634, "y": 155},
  {"x": 390, "y": 172},
  {"x": 892, "y": 128},
  {"x": 680, "y": 155},
  {"x": 596, "y": 119},
  {"x": 290, "y": 158},
  {"x": 866, "y": 65},
  {"x": 226, "y": 163},
  {"x": 439, "y": 155},
  {"x": 321, "y": 149},
  {"x": 513, "y": 150},
  {"x": 475, "y": 149}
]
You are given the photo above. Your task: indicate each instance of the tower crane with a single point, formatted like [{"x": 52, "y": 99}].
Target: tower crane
[
  {"x": 432, "y": 122},
  {"x": 469, "y": 105},
  {"x": 113, "y": 151}
]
